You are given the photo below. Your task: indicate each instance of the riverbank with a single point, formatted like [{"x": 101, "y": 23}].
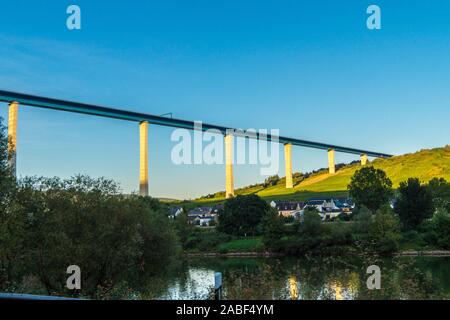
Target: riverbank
[
  {"x": 267, "y": 254},
  {"x": 425, "y": 253}
]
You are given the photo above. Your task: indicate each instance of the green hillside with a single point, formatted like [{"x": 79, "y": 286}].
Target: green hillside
[{"x": 425, "y": 165}]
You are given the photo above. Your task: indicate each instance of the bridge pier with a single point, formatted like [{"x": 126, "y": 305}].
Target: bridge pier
[
  {"x": 229, "y": 180},
  {"x": 331, "y": 166},
  {"x": 13, "y": 113},
  {"x": 364, "y": 159},
  {"x": 288, "y": 165},
  {"x": 143, "y": 158}
]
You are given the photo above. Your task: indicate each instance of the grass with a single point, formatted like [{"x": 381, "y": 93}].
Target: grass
[
  {"x": 243, "y": 245},
  {"x": 425, "y": 165}
]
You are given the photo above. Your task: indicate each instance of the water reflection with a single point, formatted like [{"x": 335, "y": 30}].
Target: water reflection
[{"x": 311, "y": 279}]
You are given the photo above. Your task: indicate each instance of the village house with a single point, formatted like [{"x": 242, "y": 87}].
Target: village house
[
  {"x": 287, "y": 208},
  {"x": 203, "y": 216},
  {"x": 175, "y": 212}
]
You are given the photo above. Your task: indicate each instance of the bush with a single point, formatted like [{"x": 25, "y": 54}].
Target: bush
[
  {"x": 362, "y": 223},
  {"x": 272, "y": 228},
  {"x": 207, "y": 240},
  {"x": 384, "y": 232},
  {"x": 314, "y": 236},
  {"x": 439, "y": 229},
  {"x": 440, "y": 191},
  {"x": 85, "y": 222},
  {"x": 379, "y": 232}
]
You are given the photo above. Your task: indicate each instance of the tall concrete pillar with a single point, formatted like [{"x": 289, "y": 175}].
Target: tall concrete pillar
[
  {"x": 331, "y": 167},
  {"x": 288, "y": 165},
  {"x": 364, "y": 159},
  {"x": 12, "y": 135},
  {"x": 143, "y": 158},
  {"x": 229, "y": 181}
]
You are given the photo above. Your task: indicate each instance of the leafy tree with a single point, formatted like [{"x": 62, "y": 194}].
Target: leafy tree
[
  {"x": 370, "y": 187},
  {"x": 362, "y": 223},
  {"x": 272, "y": 228},
  {"x": 378, "y": 233},
  {"x": 384, "y": 231},
  {"x": 11, "y": 226},
  {"x": 242, "y": 215},
  {"x": 114, "y": 239},
  {"x": 440, "y": 229},
  {"x": 440, "y": 191},
  {"x": 183, "y": 227},
  {"x": 271, "y": 181},
  {"x": 414, "y": 204},
  {"x": 7, "y": 181}
]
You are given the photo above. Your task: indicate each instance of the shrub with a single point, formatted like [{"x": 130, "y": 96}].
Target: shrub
[
  {"x": 85, "y": 221},
  {"x": 362, "y": 222},
  {"x": 384, "y": 231},
  {"x": 272, "y": 228},
  {"x": 439, "y": 229},
  {"x": 206, "y": 240},
  {"x": 314, "y": 236}
]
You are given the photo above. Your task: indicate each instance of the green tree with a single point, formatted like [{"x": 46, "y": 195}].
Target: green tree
[
  {"x": 414, "y": 204},
  {"x": 440, "y": 229},
  {"x": 440, "y": 191},
  {"x": 370, "y": 187},
  {"x": 115, "y": 239},
  {"x": 362, "y": 223},
  {"x": 7, "y": 180},
  {"x": 183, "y": 227},
  {"x": 384, "y": 231},
  {"x": 242, "y": 215},
  {"x": 272, "y": 228},
  {"x": 11, "y": 226},
  {"x": 271, "y": 181}
]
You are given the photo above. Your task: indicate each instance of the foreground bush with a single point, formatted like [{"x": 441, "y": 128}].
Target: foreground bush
[
  {"x": 314, "y": 236},
  {"x": 439, "y": 229},
  {"x": 55, "y": 223},
  {"x": 384, "y": 231}
]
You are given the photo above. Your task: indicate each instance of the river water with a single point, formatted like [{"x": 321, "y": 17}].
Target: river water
[{"x": 306, "y": 278}]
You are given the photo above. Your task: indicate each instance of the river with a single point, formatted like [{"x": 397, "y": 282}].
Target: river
[{"x": 306, "y": 278}]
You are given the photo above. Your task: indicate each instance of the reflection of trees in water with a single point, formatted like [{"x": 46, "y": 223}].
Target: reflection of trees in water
[
  {"x": 408, "y": 278},
  {"x": 305, "y": 278}
]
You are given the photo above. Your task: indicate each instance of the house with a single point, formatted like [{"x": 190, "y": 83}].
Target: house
[
  {"x": 175, "y": 212},
  {"x": 327, "y": 208},
  {"x": 205, "y": 220},
  {"x": 345, "y": 205},
  {"x": 218, "y": 207},
  {"x": 323, "y": 205},
  {"x": 316, "y": 204},
  {"x": 200, "y": 211},
  {"x": 287, "y": 208},
  {"x": 202, "y": 216}
]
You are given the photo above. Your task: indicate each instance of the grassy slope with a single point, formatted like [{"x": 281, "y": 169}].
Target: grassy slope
[{"x": 425, "y": 165}]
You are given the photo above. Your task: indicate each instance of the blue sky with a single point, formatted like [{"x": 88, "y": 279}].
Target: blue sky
[{"x": 309, "y": 68}]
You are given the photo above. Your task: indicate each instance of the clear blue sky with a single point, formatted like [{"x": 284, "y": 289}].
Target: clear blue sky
[{"x": 311, "y": 69}]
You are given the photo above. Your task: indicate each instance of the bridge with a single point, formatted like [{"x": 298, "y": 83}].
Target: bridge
[{"x": 14, "y": 100}]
